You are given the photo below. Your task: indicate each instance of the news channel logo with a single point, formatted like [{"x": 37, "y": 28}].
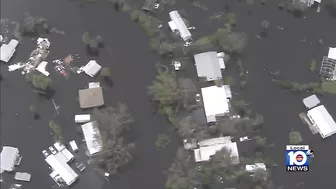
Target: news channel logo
[{"x": 297, "y": 158}]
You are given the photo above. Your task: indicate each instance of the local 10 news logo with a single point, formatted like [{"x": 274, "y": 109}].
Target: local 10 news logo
[{"x": 297, "y": 158}]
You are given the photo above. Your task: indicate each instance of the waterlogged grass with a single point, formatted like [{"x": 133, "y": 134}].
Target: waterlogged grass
[{"x": 329, "y": 87}]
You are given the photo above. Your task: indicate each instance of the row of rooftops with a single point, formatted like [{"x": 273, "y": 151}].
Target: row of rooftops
[{"x": 328, "y": 67}]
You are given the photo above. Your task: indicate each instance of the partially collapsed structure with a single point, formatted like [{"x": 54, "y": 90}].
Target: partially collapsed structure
[
  {"x": 216, "y": 101},
  {"x": 91, "y": 97},
  {"x": 9, "y": 157},
  {"x": 177, "y": 24},
  {"x": 210, "y": 147},
  {"x": 328, "y": 67},
  {"x": 209, "y": 65},
  {"x": 322, "y": 120},
  {"x": 92, "y": 137}
]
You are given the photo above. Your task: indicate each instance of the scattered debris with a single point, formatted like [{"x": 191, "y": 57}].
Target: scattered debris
[
  {"x": 41, "y": 68},
  {"x": 57, "y": 31},
  {"x": 55, "y": 106},
  {"x": 280, "y": 28},
  {"x": 22, "y": 176}
]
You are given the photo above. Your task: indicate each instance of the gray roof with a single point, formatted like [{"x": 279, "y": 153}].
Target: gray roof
[
  {"x": 8, "y": 157},
  {"x": 207, "y": 65},
  {"x": 311, "y": 101},
  {"x": 92, "y": 97}
]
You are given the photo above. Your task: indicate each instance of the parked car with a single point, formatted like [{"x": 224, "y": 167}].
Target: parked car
[
  {"x": 52, "y": 150},
  {"x": 198, "y": 97},
  {"x": 73, "y": 146},
  {"x": 45, "y": 153}
]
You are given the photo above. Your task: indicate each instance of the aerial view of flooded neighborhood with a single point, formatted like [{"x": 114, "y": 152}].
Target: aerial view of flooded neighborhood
[{"x": 168, "y": 94}]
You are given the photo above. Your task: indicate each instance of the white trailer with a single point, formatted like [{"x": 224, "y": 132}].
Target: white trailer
[
  {"x": 8, "y": 50},
  {"x": 74, "y": 146},
  {"x": 68, "y": 175},
  {"x": 61, "y": 148},
  {"x": 82, "y": 118}
]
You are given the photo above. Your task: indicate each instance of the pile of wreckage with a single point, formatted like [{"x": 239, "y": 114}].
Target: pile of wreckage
[
  {"x": 10, "y": 158},
  {"x": 37, "y": 62}
]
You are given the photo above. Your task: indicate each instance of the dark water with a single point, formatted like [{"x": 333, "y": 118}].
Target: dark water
[{"x": 132, "y": 67}]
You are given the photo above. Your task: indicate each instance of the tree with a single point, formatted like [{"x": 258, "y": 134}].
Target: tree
[
  {"x": 265, "y": 25},
  {"x": 230, "y": 42},
  {"x": 86, "y": 38},
  {"x": 41, "y": 82},
  {"x": 286, "y": 84},
  {"x": 56, "y": 130},
  {"x": 32, "y": 109},
  {"x": 162, "y": 141},
  {"x": 34, "y": 26},
  {"x": 299, "y": 6},
  {"x": 115, "y": 154},
  {"x": 313, "y": 65},
  {"x": 295, "y": 137},
  {"x": 105, "y": 72},
  {"x": 189, "y": 129},
  {"x": 231, "y": 17},
  {"x": 182, "y": 174},
  {"x": 111, "y": 123}
]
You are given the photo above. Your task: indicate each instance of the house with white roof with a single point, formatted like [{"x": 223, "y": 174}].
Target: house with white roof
[
  {"x": 91, "y": 68},
  {"x": 177, "y": 24},
  {"x": 216, "y": 101},
  {"x": 322, "y": 121},
  {"x": 311, "y": 101},
  {"x": 204, "y": 153},
  {"x": 8, "y": 50},
  {"x": 9, "y": 157},
  {"x": 209, "y": 65}
]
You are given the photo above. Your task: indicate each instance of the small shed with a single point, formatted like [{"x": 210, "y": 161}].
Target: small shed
[
  {"x": 22, "y": 176},
  {"x": 311, "y": 101},
  {"x": 92, "y": 68}
]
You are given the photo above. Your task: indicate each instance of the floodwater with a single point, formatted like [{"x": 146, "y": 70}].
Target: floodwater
[{"x": 132, "y": 66}]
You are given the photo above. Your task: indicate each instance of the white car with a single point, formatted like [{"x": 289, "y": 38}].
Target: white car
[
  {"x": 198, "y": 97},
  {"x": 245, "y": 138},
  {"x": 52, "y": 150},
  {"x": 45, "y": 153}
]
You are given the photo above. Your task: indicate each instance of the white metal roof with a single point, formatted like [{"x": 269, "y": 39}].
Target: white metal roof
[
  {"x": 8, "y": 157},
  {"x": 311, "y": 101},
  {"x": 215, "y": 141},
  {"x": 215, "y": 102},
  {"x": 332, "y": 53},
  {"x": 208, "y": 65},
  {"x": 252, "y": 168},
  {"x": 42, "y": 68},
  {"x": 205, "y": 153},
  {"x": 181, "y": 26},
  {"x": 92, "y": 68},
  {"x": 7, "y": 50},
  {"x": 91, "y": 132},
  {"x": 172, "y": 26},
  {"x": 63, "y": 169},
  {"x": 323, "y": 121}
]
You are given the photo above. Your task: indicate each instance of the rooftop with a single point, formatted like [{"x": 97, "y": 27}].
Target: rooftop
[
  {"x": 216, "y": 102},
  {"x": 204, "y": 153},
  {"x": 8, "y": 157},
  {"x": 311, "y": 101},
  {"x": 208, "y": 65},
  {"x": 181, "y": 26},
  {"x": 92, "y": 97},
  {"x": 321, "y": 118},
  {"x": 328, "y": 67}
]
